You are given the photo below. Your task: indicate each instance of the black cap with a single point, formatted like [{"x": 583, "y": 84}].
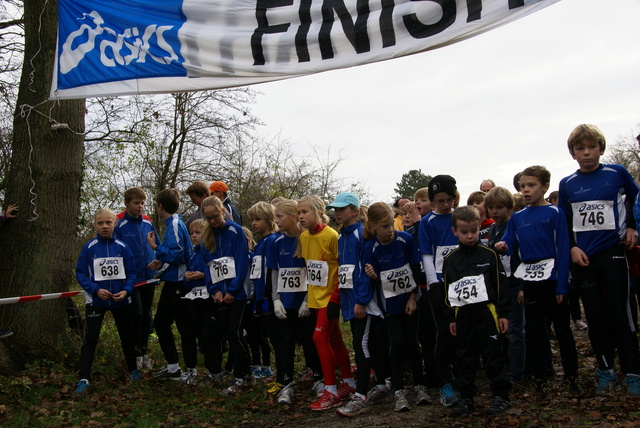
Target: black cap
[{"x": 442, "y": 183}]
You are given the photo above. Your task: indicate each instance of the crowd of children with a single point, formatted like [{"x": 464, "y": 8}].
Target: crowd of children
[{"x": 431, "y": 288}]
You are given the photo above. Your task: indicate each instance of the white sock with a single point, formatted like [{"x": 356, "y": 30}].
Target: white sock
[
  {"x": 332, "y": 389},
  {"x": 361, "y": 396},
  {"x": 86, "y": 380},
  {"x": 383, "y": 388},
  {"x": 173, "y": 367},
  {"x": 351, "y": 382}
]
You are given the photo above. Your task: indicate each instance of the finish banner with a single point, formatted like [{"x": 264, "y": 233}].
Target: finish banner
[{"x": 121, "y": 47}]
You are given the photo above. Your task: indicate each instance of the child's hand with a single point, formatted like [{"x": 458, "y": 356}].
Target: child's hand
[
  {"x": 192, "y": 276},
  {"x": 411, "y": 306},
  {"x": 631, "y": 241},
  {"x": 504, "y": 325},
  {"x": 501, "y": 247},
  {"x": 218, "y": 297},
  {"x": 120, "y": 296},
  {"x": 359, "y": 311},
  {"x": 151, "y": 240},
  {"x": 579, "y": 257},
  {"x": 521, "y": 297},
  {"x": 413, "y": 213},
  {"x": 368, "y": 269},
  {"x": 453, "y": 329},
  {"x": 11, "y": 211},
  {"x": 155, "y": 265},
  {"x": 104, "y": 294},
  {"x": 228, "y": 299}
]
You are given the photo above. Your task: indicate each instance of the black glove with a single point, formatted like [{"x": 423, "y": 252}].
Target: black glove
[{"x": 333, "y": 310}]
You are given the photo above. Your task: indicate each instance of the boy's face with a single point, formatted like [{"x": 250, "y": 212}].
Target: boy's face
[
  {"x": 214, "y": 217},
  {"x": 443, "y": 202},
  {"x": 135, "y": 207},
  {"x": 196, "y": 236},
  {"x": 424, "y": 206},
  {"x": 587, "y": 153},
  {"x": 499, "y": 213},
  {"x": 533, "y": 190},
  {"x": 467, "y": 231},
  {"x": 105, "y": 225},
  {"x": 345, "y": 215}
]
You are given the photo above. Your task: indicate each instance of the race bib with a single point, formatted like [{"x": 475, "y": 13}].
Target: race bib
[
  {"x": 441, "y": 253},
  {"x": 317, "y": 273},
  {"x": 345, "y": 276},
  {"x": 468, "y": 290},
  {"x": 256, "y": 268},
  {"x": 292, "y": 280},
  {"x": 197, "y": 293},
  {"x": 535, "y": 271},
  {"x": 222, "y": 268},
  {"x": 108, "y": 268},
  {"x": 506, "y": 263},
  {"x": 593, "y": 215},
  {"x": 397, "y": 281}
]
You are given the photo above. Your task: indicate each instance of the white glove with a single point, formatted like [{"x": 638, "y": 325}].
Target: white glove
[
  {"x": 278, "y": 309},
  {"x": 304, "y": 310}
]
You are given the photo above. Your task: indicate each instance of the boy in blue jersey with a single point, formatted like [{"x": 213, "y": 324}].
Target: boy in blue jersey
[
  {"x": 106, "y": 272},
  {"x": 171, "y": 258},
  {"x": 540, "y": 237},
  {"x": 499, "y": 202},
  {"x": 478, "y": 307},
  {"x": 598, "y": 202},
  {"x": 132, "y": 229},
  {"x": 435, "y": 241}
]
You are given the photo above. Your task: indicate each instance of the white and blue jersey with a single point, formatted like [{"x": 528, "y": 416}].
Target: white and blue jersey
[
  {"x": 289, "y": 272},
  {"x": 435, "y": 238},
  {"x": 228, "y": 265},
  {"x": 133, "y": 231},
  {"x": 595, "y": 208},
  {"x": 394, "y": 263},
  {"x": 175, "y": 249},
  {"x": 350, "y": 246},
  {"x": 258, "y": 269},
  {"x": 105, "y": 263},
  {"x": 196, "y": 263},
  {"x": 540, "y": 233}
]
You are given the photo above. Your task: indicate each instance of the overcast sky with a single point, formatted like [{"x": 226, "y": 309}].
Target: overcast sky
[{"x": 486, "y": 107}]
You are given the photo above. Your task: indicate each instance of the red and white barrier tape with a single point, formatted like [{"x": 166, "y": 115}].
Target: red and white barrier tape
[{"x": 9, "y": 300}]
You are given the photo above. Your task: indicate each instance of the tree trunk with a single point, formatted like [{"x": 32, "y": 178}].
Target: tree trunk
[{"x": 38, "y": 250}]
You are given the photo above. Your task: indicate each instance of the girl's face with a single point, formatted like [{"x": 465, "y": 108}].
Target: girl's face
[
  {"x": 285, "y": 221},
  {"x": 196, "y": 236},
  {"x": 306, "y": 216},
  {"x": 214, "y": 217},
  {"x": 259, "y": 226},
  {"x": 407, "y": 220},
  {"x": 482, "y": 210},
  {"x": 384, "y": 231},
  {"x": 346, "y": 216}
]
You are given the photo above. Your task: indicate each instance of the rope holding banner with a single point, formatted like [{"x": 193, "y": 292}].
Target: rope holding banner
[{"x": 10, "y": 300}]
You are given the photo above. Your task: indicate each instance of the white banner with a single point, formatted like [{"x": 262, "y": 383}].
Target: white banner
[{"x": 121, "y": 47}]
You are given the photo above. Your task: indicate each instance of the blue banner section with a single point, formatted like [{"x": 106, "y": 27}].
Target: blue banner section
[{"x": 99, "y": 43}]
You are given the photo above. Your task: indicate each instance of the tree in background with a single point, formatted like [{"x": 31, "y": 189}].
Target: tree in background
[
  {"x": 625, "y": 151},
  {"x": 44, "y": 178},
  {"x": 410, "y": 182}
]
